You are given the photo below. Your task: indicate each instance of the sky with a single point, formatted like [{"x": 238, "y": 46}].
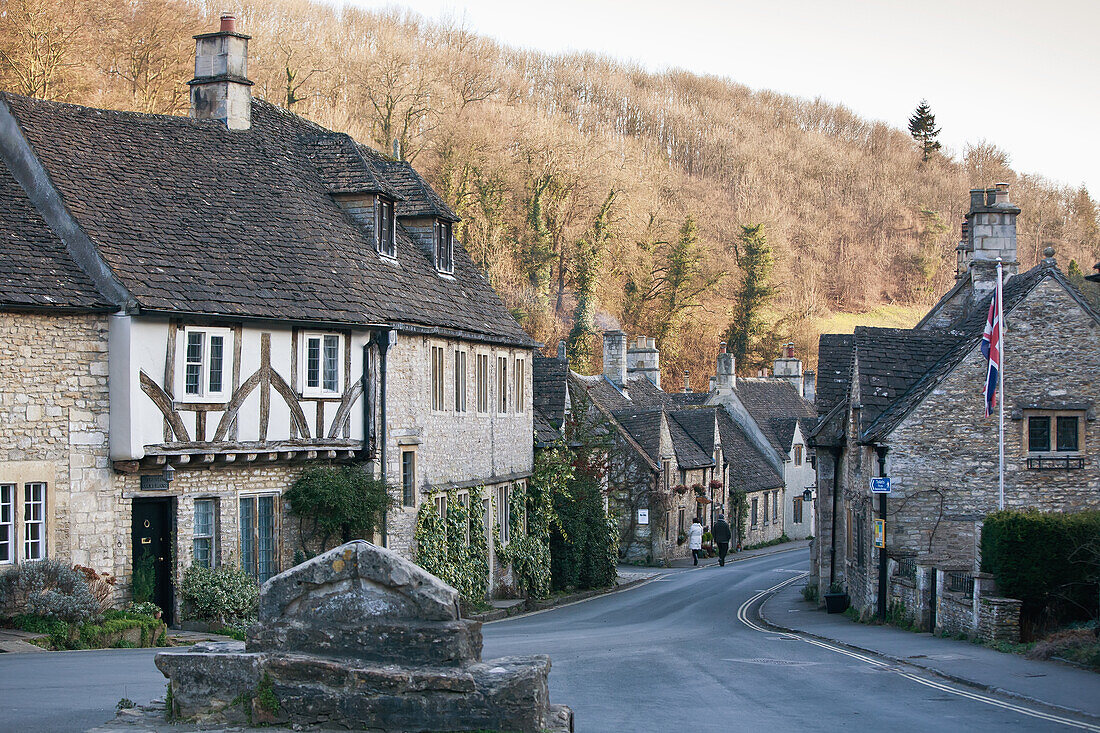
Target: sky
[{"x": 1021, "y": 74}]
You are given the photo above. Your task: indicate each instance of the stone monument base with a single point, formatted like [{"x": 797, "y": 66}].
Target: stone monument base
[
  {"x": 222, "y": 683},
  {"x": 360, "y": 638}
]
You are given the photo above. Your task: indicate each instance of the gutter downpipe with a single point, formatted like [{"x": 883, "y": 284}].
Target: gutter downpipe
[
  {"x": 832, "y": 532},
  {"x": 381, "y": 339},
  {"x": 882, "y": 559}
]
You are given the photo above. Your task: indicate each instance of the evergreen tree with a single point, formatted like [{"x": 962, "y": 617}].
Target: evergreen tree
[
  {"x": 587, "y": 268},
  {"x": 679, "y": 281},
  {"x": 922, "y": 126},
  {"x": 754, "y": 257}
]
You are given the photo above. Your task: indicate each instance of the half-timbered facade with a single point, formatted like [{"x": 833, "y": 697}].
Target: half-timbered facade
[{"x": 198, "y": 307}]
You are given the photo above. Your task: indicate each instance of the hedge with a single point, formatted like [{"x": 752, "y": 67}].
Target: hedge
[{"x": 1050, "y": 561}]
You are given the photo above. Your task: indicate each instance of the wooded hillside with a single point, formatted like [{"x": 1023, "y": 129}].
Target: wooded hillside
[{"x": 592, "y": 192}]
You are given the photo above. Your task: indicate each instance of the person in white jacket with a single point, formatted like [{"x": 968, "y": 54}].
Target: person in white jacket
[{"x": 695, "y": 540}]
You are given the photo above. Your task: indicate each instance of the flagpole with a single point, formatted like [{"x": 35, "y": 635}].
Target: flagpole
[{"x": 1001, "y": 386}]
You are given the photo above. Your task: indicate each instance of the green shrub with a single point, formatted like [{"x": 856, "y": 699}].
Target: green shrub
[
  {"x": 1050, "y": 561},
  {"x": 584, "y": 543},
  {"x": 144, "y": 580},
  {"x": 809, "y": 592},
  {"x": 49, "y": 589},
  {"x": 223, "y": 594},
  {"x": 335, "y": 504}
]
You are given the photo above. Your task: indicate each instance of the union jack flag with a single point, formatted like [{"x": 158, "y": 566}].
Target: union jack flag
[{"x": 991, "y": 349}]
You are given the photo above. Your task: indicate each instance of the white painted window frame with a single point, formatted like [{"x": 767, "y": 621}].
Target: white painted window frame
[
  {"x": 483, "y": 380},
  {"x": 205, "y": 394},
  {"x": 38, "y": 520},
  {"x": 303, "y": 365},
  {"x": 8, "y": 493}
]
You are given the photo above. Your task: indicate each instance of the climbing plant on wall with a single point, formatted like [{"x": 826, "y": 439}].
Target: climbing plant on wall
[
  {"x": 528, "y": 552},
  {"x": 739, "y": 512},
  {"x": 454, "y": 547}
]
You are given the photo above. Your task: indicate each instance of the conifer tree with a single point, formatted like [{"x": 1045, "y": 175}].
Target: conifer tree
[
  {"x": 922, "y": 126},
  {"x": 754, "y": 257},
  {"x": 587, "y": 269}
]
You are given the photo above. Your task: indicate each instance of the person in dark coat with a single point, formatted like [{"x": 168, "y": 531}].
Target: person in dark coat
[{"x": 722, "y": 537}]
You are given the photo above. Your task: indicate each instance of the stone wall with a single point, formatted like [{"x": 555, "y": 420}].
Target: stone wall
[
  {"x": 943, "y": 456},
  {"x": 955, "y": 614},
  {"x": 54, "y": 419},
  {"x": 999, "y": 619},
  {"x": 226, "y": 486}
]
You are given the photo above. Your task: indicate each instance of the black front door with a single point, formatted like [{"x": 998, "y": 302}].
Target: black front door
[{"x": 152, "y": 534}]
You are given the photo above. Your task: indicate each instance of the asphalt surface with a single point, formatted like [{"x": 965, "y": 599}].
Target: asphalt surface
[{"x": 670, "y": 655}]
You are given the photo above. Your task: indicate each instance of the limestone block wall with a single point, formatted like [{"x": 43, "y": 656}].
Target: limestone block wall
[
  {"x": 999, "y": 619},
  {"x": 943, "y": 457},
  {"x": 54, "y": 420},
  {"x": 955, "y": 614},
  {"x": 452, "y": 447}
]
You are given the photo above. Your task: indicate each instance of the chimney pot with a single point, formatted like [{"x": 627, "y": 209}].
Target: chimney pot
[
  {"x": 722, "y": 347},
  {"x": 229, "y": 23},
  {"x": 977, "y": 198}
]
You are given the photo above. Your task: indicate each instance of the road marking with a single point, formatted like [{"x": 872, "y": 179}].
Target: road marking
[{"x": 742, "y": 616}]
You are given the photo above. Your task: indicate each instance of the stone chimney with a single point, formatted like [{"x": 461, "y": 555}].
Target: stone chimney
[
  {"x": 561, "y": 349},
  {"x": 789, "y": 367},
  {"x": 221, "y": 89},
  {"x": 643, "y": 360},
  {"x": 991, "y": 234},
  {"x": 687, "y": 381},
  {"x": 725, "y": 381},
  {"x": 614, "y": 357},
  {"x": 809, "y": 386}
]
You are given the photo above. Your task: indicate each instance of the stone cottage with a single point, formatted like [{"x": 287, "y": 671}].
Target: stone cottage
[
  {"x": 676, "y": 455},
  {"x": 196, "y": 308},
  {"x": 907, "y": 404}
]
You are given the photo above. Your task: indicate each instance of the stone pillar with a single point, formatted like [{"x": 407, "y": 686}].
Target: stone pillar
[
  {"x": 725, "y": 381},
  {"x": 614, "y": 357},
  {"x": 221, "y": 89},
  {"x": 644, "y": 360},
  {"x": 991, "y": 234}
]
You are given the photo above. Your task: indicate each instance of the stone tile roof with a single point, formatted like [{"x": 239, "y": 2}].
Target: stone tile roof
[
  {"x": 644, "y": 425},
  {"x": 549, "y": 377},
  {"x": 890, "y": 361},
  {"x": 417, "y": 198},
  {"x": 834, "y": 369},
  {"x": 692, "y": 433},
  {"x": 35, "y": 268},
  {"x": 776, "y": 407},
  {"x": 345, "y": 166},
  {"x": 546, "y": 434},
  {"x": 749, "y": 470},
  {"x": 960, "y": 341},
  {"x": 194, "y": 218}
]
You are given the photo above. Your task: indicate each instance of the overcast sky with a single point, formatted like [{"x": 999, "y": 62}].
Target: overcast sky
[{"x": 1022, "y": 74}]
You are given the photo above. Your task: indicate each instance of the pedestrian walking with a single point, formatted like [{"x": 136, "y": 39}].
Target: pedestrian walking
[
  {"x": 722, "y": 536},
  {"x": 695, "y": 540}
]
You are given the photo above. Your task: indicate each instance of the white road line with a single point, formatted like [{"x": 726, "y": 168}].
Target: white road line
[{"x": 742, "y": 616}]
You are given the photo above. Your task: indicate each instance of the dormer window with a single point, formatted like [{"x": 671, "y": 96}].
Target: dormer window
[
  {"x": 444, "y": 246},
  {"x": 385, "y": 240}
]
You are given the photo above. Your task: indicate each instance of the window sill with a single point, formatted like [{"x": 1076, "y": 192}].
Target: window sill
[{"x": 1055, "y": 463}]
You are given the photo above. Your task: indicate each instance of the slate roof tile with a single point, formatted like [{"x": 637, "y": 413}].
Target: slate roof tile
[
  {"x": 195, "y": 218},
  {"x": 35, "y": 268},
  {"x": 749, "y": 470},
  {"x": 775, "y": 406}
]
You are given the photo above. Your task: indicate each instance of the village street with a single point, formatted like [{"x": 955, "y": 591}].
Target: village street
[{"x": 670, "y": 655}]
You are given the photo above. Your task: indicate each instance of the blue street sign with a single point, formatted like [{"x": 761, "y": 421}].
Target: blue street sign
[{"x": 880, "y": 485}]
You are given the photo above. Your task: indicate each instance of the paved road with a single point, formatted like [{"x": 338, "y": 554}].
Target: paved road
[{"x": 671, "y": 655}]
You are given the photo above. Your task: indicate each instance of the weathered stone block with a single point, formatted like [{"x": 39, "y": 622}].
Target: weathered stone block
[{"x": 360, "y": 638}]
